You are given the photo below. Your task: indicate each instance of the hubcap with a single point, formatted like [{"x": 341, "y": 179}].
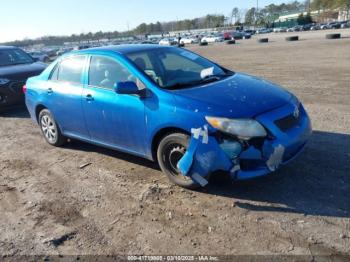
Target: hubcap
[
  {"x": 49, "y": 129},
  {"x": 175, "y": 155},
  {"x": 172, "y": 156}
]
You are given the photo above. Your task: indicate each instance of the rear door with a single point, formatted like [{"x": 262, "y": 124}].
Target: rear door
[{"x": 64, "y": 91}]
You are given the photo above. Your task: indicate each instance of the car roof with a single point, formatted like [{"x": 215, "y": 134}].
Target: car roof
[
  {"x": 5, "y": 47},
  {"x": 125, "y": 49}
]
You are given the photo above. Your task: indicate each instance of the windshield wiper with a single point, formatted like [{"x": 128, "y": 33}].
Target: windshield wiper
[
  {"x": 205, "y": 80},
  {"x": 182, "y": 85}
]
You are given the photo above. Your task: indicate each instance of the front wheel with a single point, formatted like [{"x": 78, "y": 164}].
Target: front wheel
[
  {"x": 170, "y": 150},
  {"x": 50, "y": 129}
]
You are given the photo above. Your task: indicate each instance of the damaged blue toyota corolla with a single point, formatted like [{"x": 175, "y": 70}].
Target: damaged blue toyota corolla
[{"x": 171, "y": 105}]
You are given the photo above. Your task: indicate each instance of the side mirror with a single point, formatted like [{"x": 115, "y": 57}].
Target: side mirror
[{"x": 127, "y": 88}]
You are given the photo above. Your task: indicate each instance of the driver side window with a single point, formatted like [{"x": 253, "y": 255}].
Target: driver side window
[{"x": 106, "y": 72}]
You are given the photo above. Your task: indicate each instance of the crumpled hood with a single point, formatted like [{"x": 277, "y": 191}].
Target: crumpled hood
[
  {"x": 240, "y": 96},
  {"x": 22, "y": 72}
]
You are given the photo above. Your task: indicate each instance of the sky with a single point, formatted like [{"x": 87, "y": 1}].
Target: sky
[{"x": 21, "y": 19}]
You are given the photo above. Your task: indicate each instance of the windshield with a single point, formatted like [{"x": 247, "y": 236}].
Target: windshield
[
  {"x": 175, "y": 68},
  {"x": 14, "y": 57}
]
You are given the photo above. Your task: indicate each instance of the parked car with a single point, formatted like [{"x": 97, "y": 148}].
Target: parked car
[
  {"x": 334, "y": 25},
  {"x": 345, "y": 24},
  {"x": 238, "y": 35},
  {"x": 324, "y": 26},
  {"x": 280, "y": 30},
  {"x": 306, "y": 27},
  {"x": 63, "y": 51},
  {"x": 189, "y": 40},
  {"x": 212, "y": 38},
  {"x": 227, "y": 35},
  {"x": 297, "y": 28},
  {"x": 250, "y": 31},
  {"x": 315, "y": 27},
  {"x": 263, "y": 31},
  {"x": 40, "y": 56},
  {"x": 168, "y": 41},
  {"x": 170, "y": 105},
  {"x": 15, "y": 67}
]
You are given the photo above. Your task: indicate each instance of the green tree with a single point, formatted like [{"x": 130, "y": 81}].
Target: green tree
[
  {"x": 235, "y": 15},
  {"x": 250, "y": 16}
]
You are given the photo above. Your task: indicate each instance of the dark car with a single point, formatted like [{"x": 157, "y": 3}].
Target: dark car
[
  {"x": 334, "y": 25},
  {"x": 16, "y": 66},
  {"x": 307, "y": 27}
]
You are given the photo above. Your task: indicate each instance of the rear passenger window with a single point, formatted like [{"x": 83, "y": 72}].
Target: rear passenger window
[
  {"x": 70, "y": 70},
  {"x": 54, "y": 74},
  {"x": 106, "y": 72}
]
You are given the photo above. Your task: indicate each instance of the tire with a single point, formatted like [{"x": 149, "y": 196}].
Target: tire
[
  {"x": 170, "y": 150},
  {"x": 181, "y": 45},
  {"x": 263, "y": 40},
  {"x": 203, "y": 43},
  {"x": 292, "y": 38},
  {"x": 230, "y": 42},
  {"x": 46, "y": 60},
  {"x": 50, "y": 129},
  {"x": 333, "y": 36}
]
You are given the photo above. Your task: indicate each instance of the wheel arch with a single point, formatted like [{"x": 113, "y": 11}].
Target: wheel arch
[
  {"x": 160, "y": 134},
  {"x": 38, "y": 109}
]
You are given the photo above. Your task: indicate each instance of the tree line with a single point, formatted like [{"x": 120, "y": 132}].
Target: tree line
[{"x": 254, "y": 16}]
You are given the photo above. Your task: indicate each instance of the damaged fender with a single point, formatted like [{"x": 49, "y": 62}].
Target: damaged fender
[{"x": 203, "y": 156}]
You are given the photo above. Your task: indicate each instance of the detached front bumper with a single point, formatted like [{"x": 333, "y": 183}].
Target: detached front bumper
[{"x": 289, "y": 129}]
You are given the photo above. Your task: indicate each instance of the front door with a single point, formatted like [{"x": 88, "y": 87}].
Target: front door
[{"x": 113, "y": 119}]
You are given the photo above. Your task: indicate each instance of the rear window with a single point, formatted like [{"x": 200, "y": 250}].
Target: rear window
[
  {"x": 70, "y": 70},
  {"x": 14, "y": 57}
]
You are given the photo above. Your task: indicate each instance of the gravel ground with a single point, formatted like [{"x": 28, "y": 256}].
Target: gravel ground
[{"x": 81, "y": 199}]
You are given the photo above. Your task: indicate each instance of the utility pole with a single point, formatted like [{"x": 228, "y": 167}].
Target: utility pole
[
  {"x": 256, "y": 14},
  {"x": 309, "y": 6}
]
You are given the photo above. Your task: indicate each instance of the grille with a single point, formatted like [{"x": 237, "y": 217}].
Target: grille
[{"x": 287, "y": 122}]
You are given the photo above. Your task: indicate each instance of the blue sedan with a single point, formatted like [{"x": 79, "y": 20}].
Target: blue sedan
[{"x": 169, "y": 105}]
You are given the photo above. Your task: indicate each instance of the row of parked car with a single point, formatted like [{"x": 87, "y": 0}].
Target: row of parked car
[
  {"x": 314, "y": 27},
  {"x": 209, "y": 38},
  {"x": 307, "y": 27}
]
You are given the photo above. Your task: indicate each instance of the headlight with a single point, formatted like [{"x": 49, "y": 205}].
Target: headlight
[
  {"x": 242, "y": 128},
  {"x": 4, "y": 81}
]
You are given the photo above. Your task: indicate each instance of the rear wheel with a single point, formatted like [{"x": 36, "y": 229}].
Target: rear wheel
[
  {"x": 50, "y": 129},
  {"x": 170, "y": 150}
]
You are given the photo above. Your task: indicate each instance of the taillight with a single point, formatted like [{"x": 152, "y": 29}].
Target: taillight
[{"x": 24, "y": 89}]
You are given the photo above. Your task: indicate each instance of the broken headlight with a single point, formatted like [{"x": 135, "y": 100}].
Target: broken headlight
[{"x": 242, "y": 128}]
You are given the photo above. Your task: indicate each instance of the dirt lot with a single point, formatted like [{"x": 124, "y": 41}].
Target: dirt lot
[{"x": 120, "y": 204}]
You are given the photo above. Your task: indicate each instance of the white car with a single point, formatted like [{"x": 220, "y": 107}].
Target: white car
[
  {"x": 40, "y": 56},
  {"x": 189, "y": 40},
  {"x": 168, "y": 41},
  {"x": 212, "y": 39}
]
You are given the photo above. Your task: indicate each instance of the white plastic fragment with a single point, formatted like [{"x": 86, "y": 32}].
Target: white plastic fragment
[
  {"x": 199, "y": 132},
  {"x": 276, "y": 158},
  {"x": 199, "y": 179},
  {"x": 235, "y": 169}
]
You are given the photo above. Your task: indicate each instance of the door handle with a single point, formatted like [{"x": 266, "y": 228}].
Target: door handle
[
  {"x": 49, "y": 90},
  {"x": 89, "y": 97}
]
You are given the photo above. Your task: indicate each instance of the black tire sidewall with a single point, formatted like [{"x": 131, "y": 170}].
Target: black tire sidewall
[
  {"x": 60, "y": 139},
  {"x": 178, "y": 138}
]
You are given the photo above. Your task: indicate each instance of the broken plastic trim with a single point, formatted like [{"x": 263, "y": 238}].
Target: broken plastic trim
[{"x": 206, "y": 155}]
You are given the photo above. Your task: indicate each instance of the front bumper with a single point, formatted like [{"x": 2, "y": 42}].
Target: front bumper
[{"x": 206, "y": 155}]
